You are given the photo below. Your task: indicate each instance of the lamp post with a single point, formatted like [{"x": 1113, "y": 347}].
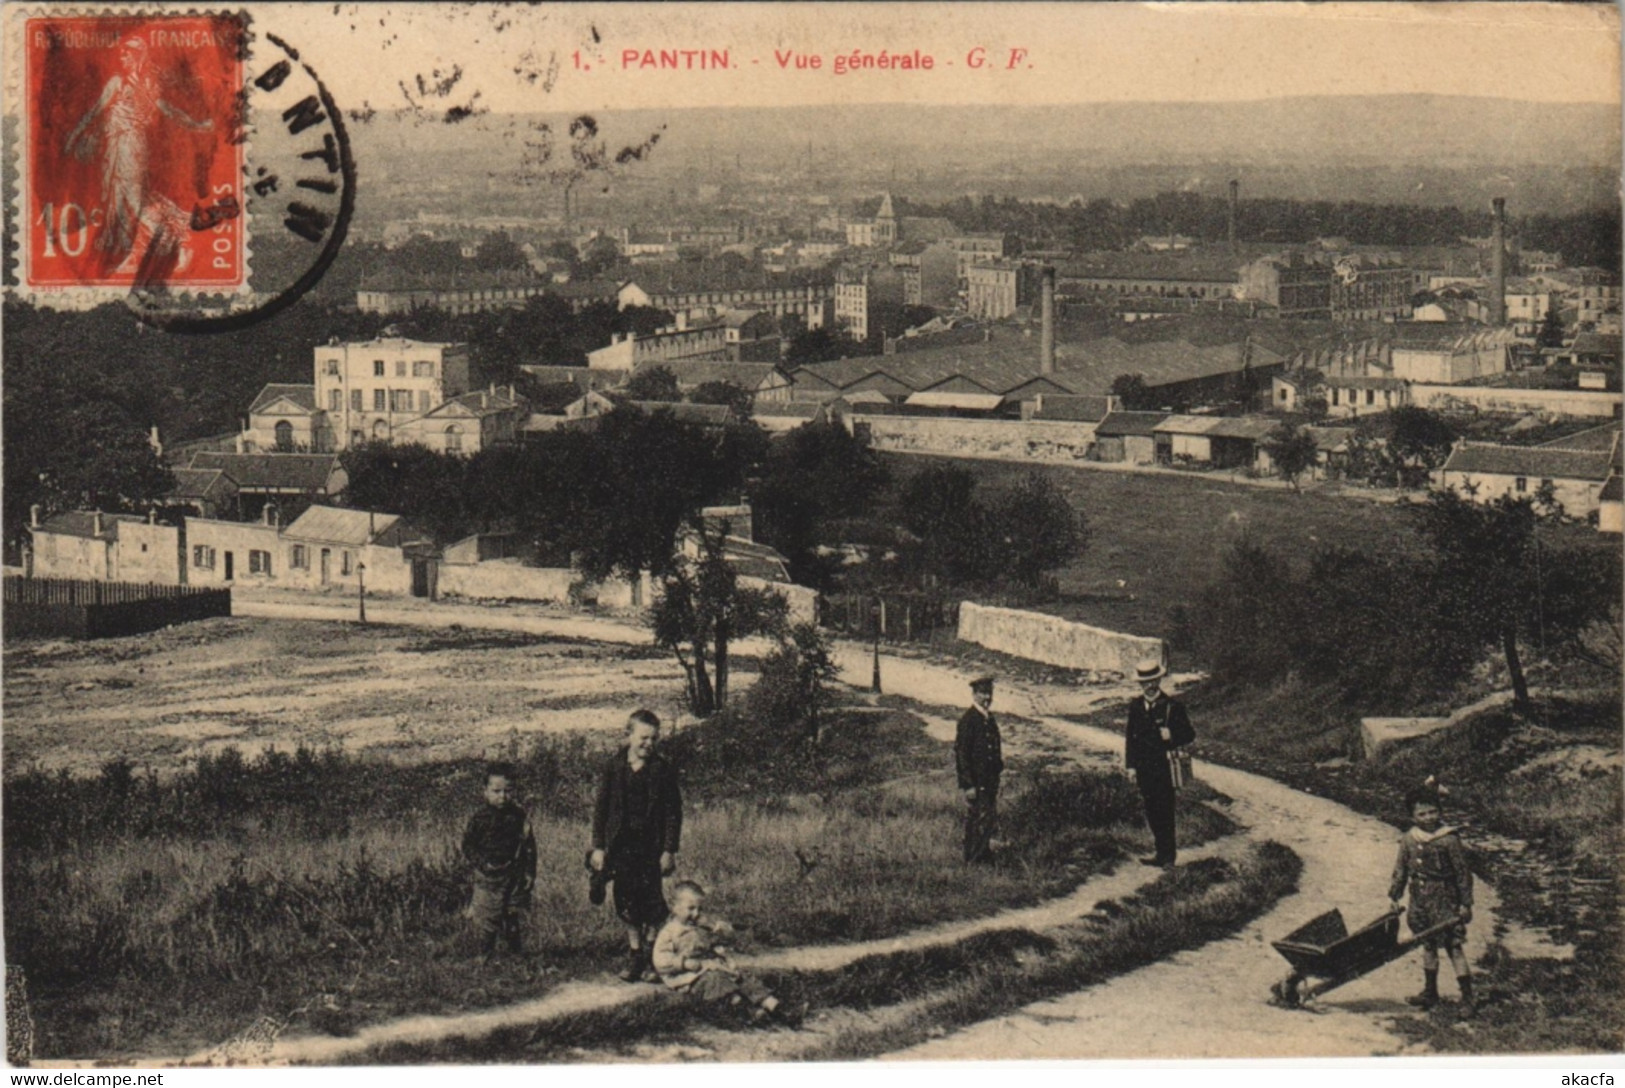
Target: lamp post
[
  {"x": 876, "y": 613},
  {"x": 361, "y": 595}
]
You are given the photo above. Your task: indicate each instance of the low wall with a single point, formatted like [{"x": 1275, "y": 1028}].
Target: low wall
[
  {"x": 508, "y": 579},
  {"x": 1055, "y": 641},
  {"x": 1042, "y": 441},
  {"x": 1568, "y": 403},
  {"x": 803, "y": 599}
]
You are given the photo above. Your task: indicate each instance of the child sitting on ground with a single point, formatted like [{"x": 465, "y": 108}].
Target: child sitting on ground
[
  {"x": 500, "y": 847},
  {"x": 1433, "y": 861},
  {"x": 688, "y": 959}
]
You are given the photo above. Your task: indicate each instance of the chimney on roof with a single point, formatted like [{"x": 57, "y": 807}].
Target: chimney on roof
[
  {"x": 96, "y": 523},
  {"x": 272, "y": 516},
  {"x": 1046, "y": 332},
  {"x": 1230, "y": 215},
  {"x": 1498, "y": 263},
  {"x": 33, "y": 516},
  {"x": 154, "y": 441}
]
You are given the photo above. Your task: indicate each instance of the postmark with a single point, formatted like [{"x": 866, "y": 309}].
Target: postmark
[{"x": 132, "y": 169}]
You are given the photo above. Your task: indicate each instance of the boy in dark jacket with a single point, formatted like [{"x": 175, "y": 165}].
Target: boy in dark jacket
[
  {"x": 1434, "y": 863},
  {"x": 500, "y": 847},
  {"x": 637, "y": 825}
]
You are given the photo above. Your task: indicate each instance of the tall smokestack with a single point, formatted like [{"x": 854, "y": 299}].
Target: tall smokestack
[
  {"x": 1498, "y": 263},
  {"x": 1230, "y": 214},
  {"x": 1046, "y": 328}
]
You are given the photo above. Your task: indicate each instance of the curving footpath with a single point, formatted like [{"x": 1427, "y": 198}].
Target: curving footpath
[{"x": 1211, "y": 1002}]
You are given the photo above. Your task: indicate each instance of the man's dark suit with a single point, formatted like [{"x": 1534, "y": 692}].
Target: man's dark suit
[
  {"x": 979, "y": 758},
  {"x": 1146, "y": 753}
]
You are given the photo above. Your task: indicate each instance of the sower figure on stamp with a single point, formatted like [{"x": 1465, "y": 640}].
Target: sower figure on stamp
[
  {"x": 637, "y": 825},
  {"x": 500, "y": 846},
  {"x": 128, "y": 109},
  {"x": 1157, "y": 724},
  {"x": 979, "y": 759},
  {"x": 1434, "y": 863}
]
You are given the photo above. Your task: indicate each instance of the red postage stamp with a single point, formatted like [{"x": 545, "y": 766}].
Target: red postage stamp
[{"x": 133, "y": 152}]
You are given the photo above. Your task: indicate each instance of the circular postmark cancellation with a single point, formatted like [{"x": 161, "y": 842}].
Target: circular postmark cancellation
[{"x": 155, "y": 146}]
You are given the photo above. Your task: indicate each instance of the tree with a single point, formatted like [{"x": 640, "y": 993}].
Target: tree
[
  {"x": 1499, "y": 585},
  {"x": 1037, "y": 529},
  {"x": 497, "y": 252},
  {"x": 939, "y": 507},
  {"x": 1134, "y": 393},
  {"x": 1551, "y": 329},
  {"x": 791, "y": 687},
  {"x": 820, "y": 346},
  {"x": 701, "y": 609},
  {"x": 424, "y": 486},
  {"x": 599, "y": 256},
  {"x": 729, "y": 393},
  {"x": 1418, "y": 443},
  {"x": 1314, "y": 407},
  {"x": 812, "y": 476},
  {"x": 653, "y": 383},
  {"x": 1293, "y": 451}
]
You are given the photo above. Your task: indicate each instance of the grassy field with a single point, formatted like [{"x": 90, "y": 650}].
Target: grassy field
[
  {"x": 1158, "y": 539},
  {"x": 161, "y": 905}
]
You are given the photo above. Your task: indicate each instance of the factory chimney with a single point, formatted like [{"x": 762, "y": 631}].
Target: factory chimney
[
  {"x": 1046, "y": 328},
  {"x": 1498, "y": 263},
  {"x": 1230, "y": 214}
]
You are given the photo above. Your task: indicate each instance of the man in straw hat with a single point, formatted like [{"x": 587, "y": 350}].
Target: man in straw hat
[
  {"x": 979, "y": 759},
  {"x": 1157, "y": 724}
]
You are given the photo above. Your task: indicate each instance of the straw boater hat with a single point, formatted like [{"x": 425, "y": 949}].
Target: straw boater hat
[
  {"x": 983, "y": 681},
  {"x": 1150, "y": 669}
]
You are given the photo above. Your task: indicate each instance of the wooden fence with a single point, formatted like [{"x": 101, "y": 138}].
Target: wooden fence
[
  {"x": 87, "y": 609},
  {"x": 900, "y": 616}
]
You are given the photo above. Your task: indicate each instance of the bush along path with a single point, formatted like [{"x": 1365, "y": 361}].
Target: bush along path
[{"x": 1212, "y": 1002}]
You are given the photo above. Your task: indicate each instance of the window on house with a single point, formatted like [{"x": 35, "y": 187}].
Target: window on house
[
  {"x": 203, "y": 557},
  {"x": 355, "y": 400},
  {"x": 299, "y": 557},
  {"x": 1371, "y": 396},
  {"x": 400, "y": 400},
  {"x": 259, "y": 562},
  {"x": 378, "y": 400},
  {"x": 284, "y": 436},
  {"x": 335, "y": 400},
  {"x": 377, "y": 368},
  {"x": 400, "y": 368},
  {"x": 454, "y": 439},
  {"x": 423, "y": 401},
  {"x": 1546, "y": 483},
  {"x": 1520, "y": 485},
  {"x": 332, "y": 366},
  {"x": 423, "y": 368},
  {"x": 345, "y": 563}
]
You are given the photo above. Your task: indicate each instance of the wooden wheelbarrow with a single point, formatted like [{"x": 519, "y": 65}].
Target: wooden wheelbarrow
[{"x": 1325, "y": 951}]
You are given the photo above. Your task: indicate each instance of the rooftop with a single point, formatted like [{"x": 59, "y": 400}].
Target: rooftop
[
  {"x": 1535, "y": 462},
  {"x": 1078, "y": 409},
  {"x": 1122, "y": 424},
  {"x": 310, "y": 472},
  {"x": 82, "y": 523},
  {"x": 302, "y": 395},
  {"x": 340, "y": 526}
]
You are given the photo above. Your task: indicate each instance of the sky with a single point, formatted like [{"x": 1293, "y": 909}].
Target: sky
[{"x": 1074, "y": 52}]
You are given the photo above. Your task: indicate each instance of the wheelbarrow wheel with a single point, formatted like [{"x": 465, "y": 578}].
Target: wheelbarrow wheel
[{"x": 1285, "y": 992}]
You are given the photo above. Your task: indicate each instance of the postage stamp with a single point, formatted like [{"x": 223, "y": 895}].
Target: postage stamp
[{"x": 133, "y": 158}]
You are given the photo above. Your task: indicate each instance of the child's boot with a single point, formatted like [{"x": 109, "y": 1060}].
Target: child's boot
[
  {"x": 634, "y": 965},
  {"x": 1429, "y": 996},
  {"x": 1468, "y": 1005}
]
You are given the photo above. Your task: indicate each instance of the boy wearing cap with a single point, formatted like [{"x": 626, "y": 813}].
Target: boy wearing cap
[
  {"x": 1157, "y": 724},
  {"x": 979, "y": 759}
]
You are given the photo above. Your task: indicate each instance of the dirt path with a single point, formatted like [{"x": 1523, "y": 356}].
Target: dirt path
[{"x": 1211, "y": 1002}]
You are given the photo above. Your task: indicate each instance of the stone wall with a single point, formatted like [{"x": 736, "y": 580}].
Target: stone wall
[
  {"x": 508, "y": 579},
  {"x": 1550, "y": 403},
  {"x": 1055, "y": 641},
  {"x": 1042, "y": 441}
]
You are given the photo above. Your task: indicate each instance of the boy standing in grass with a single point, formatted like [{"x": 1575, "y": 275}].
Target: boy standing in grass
[
  {"x": 637, "y": 824},
  {"x": 1434, "y": 863},
  {"x": 498, "y": 843},
  {"x": 689, "y": 960}
]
